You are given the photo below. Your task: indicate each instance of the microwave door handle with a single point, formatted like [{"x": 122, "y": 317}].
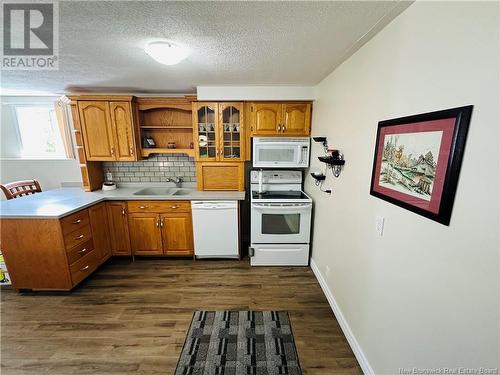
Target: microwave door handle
[
  {"x": 301, "y": 153},
  {"x": 301, "y": 158}
]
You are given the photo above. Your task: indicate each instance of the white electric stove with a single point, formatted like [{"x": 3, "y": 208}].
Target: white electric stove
[{"x": 280, "y": 219}]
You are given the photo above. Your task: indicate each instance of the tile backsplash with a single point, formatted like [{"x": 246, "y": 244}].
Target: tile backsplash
[{"x": 155, "y": 169}]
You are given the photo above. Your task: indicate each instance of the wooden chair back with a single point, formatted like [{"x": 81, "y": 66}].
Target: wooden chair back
[{"x": 18, "y": 189}]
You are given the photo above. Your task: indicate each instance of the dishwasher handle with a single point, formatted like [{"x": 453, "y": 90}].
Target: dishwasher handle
[{"x": 213, "y": 205}]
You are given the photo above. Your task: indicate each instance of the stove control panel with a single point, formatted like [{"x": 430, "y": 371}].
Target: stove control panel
[{"x": 276, "y": 177}]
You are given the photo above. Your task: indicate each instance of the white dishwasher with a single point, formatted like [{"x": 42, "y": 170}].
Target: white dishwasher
[{"x": 215, "y": 228}]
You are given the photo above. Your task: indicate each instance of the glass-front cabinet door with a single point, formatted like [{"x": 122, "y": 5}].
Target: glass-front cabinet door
[
  {"x": 231, "y": 131},
  {"x": 206, "y": 132}
]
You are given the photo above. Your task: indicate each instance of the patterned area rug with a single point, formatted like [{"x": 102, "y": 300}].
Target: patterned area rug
[{"x": 239, "y": 343}]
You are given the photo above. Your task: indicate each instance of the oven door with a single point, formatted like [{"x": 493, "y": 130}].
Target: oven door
[
  {"x": 281, "y": 222},
  {"x": 277, "y": 155}
]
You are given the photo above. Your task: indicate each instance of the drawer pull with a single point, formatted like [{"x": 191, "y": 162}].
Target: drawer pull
[
  {"x": 82, "y": 251},
  {"x": 84, "y": 268},
  {"x": 79, "y": 237},
  {"x": 143, "y": 207},
  {"x": 174, "y": 207},
  {"x": 78, "y": 221}
]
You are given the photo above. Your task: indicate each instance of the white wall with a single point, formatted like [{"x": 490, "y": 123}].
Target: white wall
[
  {"x": 424, "y": 295},
  {"x": 50, "y": 173},
  {"x": 219, "y": 93}
]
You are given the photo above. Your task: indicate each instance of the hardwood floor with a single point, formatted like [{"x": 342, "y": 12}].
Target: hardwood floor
[{"x": 132, "y": 318}]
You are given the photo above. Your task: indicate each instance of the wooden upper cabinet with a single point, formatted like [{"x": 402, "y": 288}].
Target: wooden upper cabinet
[
  {"x": 221, "y": 176},
  {"x": 266, "y": 118},
  {"x": 145, "y": 235},
  {"x": 99, "y": 224},
  {"x": 177, "y": 233},
  {"x": 296, "y": 119},
  {"x": 122, "y": 120},
  {"x": 205, "y": 119},
  {"x": 280, "y": 119},
  {"x": 218, "y": 131},
  {"x": 108, "y": 129},
  {"x": 231, "y": 132},
  {"x": 118, "y": 228},
  {"x": 97, "y": 130}
]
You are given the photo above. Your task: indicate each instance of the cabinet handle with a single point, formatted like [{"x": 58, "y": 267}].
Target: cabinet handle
[
  {"x": 158, "y": 223},
  {"x": 79, "y": 237},
  {"x": 174, "y": 207},
  {"x": 279, "y": 128},
  {"x": 161, "y": 223},
  {"x": 77, "y": 221},
  {"x": 82, "y": 251},
  {"x": 131, "y": 151},
  {"x": 143, "y": 207},
  {"x": 123, "y": 212},
  {"x": 84, "y": 268},
  {"x": 284, "y": 128},
  {"x": 112, "y": 150}
]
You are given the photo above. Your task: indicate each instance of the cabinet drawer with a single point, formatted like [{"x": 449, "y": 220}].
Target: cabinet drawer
[
  {"x": 79, "y": 251},
  {"x": 74, "y": 221},
  {"x": 77, "y": 237},
  {"x": 83, "y": 267},
  {"x": 159, "y": 206}
]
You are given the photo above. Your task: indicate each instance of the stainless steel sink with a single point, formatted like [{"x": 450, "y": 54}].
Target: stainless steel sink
[
  {"x": 163, "y": 191},
  {"x": 156, "y": 191},
  {"x": 182, "y": 192}
]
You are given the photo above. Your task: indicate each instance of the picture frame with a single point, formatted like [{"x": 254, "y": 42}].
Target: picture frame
[{"x": 417, "y": 161}]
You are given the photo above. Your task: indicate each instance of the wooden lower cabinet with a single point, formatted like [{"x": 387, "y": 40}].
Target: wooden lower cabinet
[
  {"x": 118, "y": 228},
  {"x": 55, "y": 254},
  {"x": 161, "y": 228},
  {"x": 99, "y": 223},
  {"x": 145, "y": 235},
  {"x": 177, "y": 233}
]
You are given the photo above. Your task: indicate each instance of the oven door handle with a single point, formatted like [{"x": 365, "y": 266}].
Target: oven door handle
[{"x": 283, "y": 208}]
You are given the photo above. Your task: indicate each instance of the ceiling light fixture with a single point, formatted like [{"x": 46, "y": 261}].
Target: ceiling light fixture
[{"x": 166, "y": 53}]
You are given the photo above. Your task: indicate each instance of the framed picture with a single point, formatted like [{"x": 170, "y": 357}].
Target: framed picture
[{"x": 417, "y": 161}]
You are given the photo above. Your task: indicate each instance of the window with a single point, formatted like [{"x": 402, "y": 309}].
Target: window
[{"x": 39, "y": 132}]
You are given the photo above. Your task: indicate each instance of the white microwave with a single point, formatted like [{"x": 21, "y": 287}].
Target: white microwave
[{"x": 271, "y": 152}]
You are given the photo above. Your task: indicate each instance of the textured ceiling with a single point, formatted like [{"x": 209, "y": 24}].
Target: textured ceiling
[{"x": 232, "y": 43}]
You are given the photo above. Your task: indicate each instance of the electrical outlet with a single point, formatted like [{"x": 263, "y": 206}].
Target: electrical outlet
[{"x": 380, "y": 225}]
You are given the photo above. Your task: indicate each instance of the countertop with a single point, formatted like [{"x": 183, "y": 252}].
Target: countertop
[{"x": 57, "y": 203}]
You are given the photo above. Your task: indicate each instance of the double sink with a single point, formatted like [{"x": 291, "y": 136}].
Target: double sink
[{"x": 163, "y": 191}]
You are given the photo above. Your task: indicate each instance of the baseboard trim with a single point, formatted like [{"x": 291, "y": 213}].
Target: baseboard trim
[{"x": 356, "y": 348}]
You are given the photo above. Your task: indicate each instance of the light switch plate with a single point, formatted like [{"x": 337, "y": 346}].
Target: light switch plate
[{"x": 380, "y": 225}]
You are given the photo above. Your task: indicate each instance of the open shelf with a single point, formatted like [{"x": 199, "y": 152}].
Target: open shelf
[
  {"x": 331, "y": 160},
  {"x": 167, "y": 121},
  {"x": 146, "y": 152},
  {"x": 318, "y": 177}
]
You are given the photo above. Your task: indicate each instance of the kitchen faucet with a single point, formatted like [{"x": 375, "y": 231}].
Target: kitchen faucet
[{"x": 176, "y": 180}]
